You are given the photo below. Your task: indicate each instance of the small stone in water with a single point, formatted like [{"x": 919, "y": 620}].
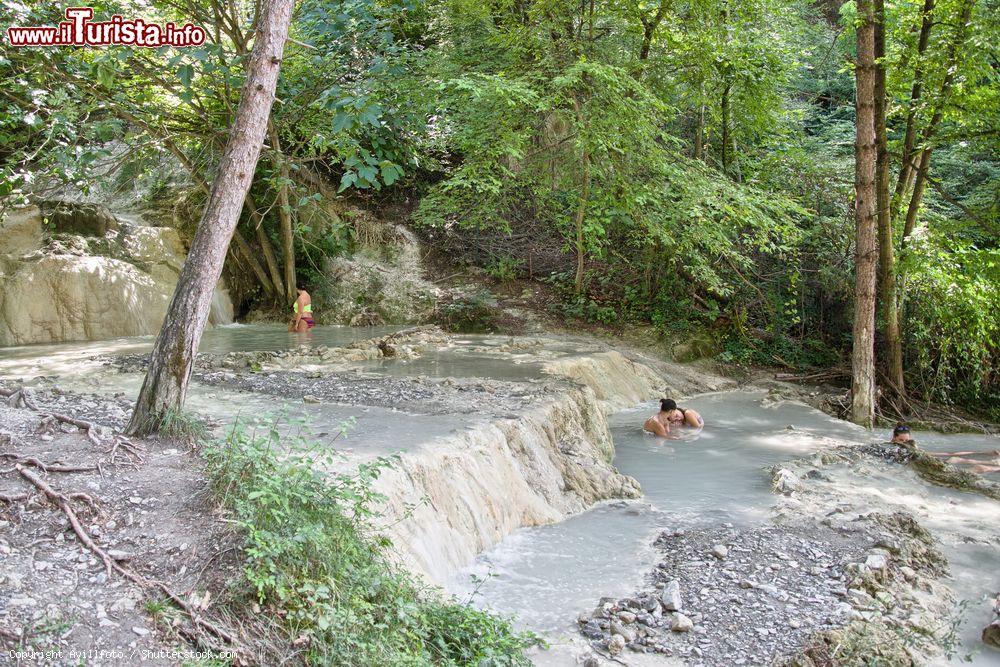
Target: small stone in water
[
  {"x": 592, "y": 630},
  {"x": 616, "y": 644},
  {"x": 720, "y": 551}
]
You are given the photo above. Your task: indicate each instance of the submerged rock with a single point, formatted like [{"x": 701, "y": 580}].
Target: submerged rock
[
  {"x": 785, "y": 481},
  {"x": 991, "y": 633}
]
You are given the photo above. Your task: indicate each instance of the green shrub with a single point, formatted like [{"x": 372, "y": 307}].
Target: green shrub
[
  {"x": 314, "y": 560},
  {"x": 472, "y": 313}
]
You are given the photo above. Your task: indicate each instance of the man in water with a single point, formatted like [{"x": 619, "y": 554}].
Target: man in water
[
  {"x": 302, "y": 321},
  {"x": 901, "y": 435},
  {"x": 659, "y": 424}
]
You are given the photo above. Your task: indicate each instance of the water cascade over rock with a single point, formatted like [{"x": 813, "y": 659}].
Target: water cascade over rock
[{"x": 449, "y": 502}]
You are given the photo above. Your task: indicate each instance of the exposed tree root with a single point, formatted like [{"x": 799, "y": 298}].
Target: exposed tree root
[
  {"x": 132, "y": 451},
  {"x": 44, "y": 467},
  {"x": 11, "y": 635},
  {"x": 18, "y": 398},
  {"x": 120, "y": 450},
  {"x": 111, "y": 565}
]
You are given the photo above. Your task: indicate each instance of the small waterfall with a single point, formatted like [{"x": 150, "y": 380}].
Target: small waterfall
[
  {"x": 222, "y": 307},
  {"x": 447, "y": 503}
]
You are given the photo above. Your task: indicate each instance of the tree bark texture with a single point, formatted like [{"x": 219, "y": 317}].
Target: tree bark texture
[
  {"x": 172, "y": 358},
  {"x": 887, "y": 260},
  {"x": 866, "y": 252}
]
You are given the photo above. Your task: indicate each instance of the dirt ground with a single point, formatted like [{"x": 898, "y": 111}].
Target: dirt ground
[{"x": 148, "y": 508}]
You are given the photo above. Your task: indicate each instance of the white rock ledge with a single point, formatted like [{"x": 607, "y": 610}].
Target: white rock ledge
[{"x": 459, "y": 496}]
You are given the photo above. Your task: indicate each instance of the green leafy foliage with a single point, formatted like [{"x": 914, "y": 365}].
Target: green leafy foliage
[
  {"x": 314, "y": 558},
  {"x": 695, "y": 158}
]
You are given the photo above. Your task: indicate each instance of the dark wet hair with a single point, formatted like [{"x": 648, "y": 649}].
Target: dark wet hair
[
  {"x": 900, "y": 428},
  {"x": 667, "y": 404},
  {"x": 300, "y": 285}
]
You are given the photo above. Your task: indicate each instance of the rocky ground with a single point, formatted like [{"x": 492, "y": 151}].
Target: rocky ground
[
  {"x": 819, "y": 581},
  {"x": 734, "y": 596},
  {"x": 492, "y": 398},
  {"x": 143, "y": 505}
]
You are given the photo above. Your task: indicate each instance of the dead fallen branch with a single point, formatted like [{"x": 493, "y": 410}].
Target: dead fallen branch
[
  {"x": 819, "y": 376},
  {"x": 111, "y": 565}
]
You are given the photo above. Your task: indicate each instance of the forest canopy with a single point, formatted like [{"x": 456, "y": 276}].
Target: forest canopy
[{"x": 687, "y": 164}]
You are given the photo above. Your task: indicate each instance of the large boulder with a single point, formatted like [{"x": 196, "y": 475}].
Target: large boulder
[
  {"x": 66, "y": 217},
  {"x": 89, "y": 275}
]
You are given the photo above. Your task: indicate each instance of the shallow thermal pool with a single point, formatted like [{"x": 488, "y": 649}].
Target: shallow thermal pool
[
  {"x": 68, "y": 358},
  {"x": 545, "y": 576}
]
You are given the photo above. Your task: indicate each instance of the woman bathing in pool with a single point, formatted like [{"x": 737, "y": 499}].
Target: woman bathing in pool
[
  {"x": 302, "y": 309},
  {"x": 670, "y": 415}
]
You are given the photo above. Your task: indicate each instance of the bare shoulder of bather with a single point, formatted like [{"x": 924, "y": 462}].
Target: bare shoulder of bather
[
  {"x": 656, "y": 427},
  {"x": 692, "y": 418}
]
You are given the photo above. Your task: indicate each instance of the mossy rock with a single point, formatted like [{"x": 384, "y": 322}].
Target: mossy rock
[
  {"x": 701, "y": 345},
  {"x": 855, "y": 645},
  {"x": 65, "y": 217}
]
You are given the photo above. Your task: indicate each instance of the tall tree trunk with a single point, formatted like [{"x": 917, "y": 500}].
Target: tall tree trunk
[
  {"x": 172, "y": 358},
  {"x": 581, "y": 211},
  {"x": 887, "y": 260},
  {"x": 726, "y": 157},
  {"x": 699, "y": 131},
  {"x": 904, "y": 180},
  {"x": 734, "y": 160},
  {"x": 241, "y": 243},
  {"x": 246, "y": 252},
  {"x": 257, "y": 220},
  {"x": 924, "y": 161},
  {"x": 267, "y": 248},
  {"x": 285, "y": 214},
  {"x": 866, "y": 252},
  {"x": 649, "y": 27}
]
